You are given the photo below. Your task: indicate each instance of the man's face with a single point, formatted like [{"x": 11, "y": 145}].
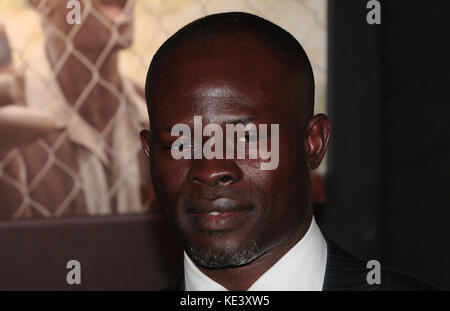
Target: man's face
[
  {"x": 259, "y": 209},
  {"x": 99, "y": 19}
]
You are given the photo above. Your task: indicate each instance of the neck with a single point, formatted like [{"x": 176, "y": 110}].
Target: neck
[
  {"x": 242, "y": 278},
  {"x": 98, "y": 104}
]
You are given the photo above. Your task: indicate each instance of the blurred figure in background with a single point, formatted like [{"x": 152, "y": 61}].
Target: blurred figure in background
[{"x": 69, "y": 125}]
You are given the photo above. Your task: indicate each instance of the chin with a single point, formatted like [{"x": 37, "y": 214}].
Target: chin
[{"x": 228, "y": 254}]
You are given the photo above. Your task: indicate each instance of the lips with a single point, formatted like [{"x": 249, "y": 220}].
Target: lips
[
  {"x": 219, "y": 214},
  {"x": 220, "y": 205}
]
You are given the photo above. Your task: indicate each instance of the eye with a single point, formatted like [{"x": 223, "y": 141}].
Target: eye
[
  {"x": 181, "y": 145},
  {"x": 247, "y": 138}
]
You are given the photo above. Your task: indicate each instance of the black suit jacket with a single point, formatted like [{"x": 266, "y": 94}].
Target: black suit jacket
[{"x": 347, "y": 273}]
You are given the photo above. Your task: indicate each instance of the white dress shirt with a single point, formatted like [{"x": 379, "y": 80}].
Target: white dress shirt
[{"x": 302, "y": 268}]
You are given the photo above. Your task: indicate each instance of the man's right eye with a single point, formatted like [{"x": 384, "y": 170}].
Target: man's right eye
[{"x": 179, "y": 146}]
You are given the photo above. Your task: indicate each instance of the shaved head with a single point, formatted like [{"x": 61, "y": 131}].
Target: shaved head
[{"x": 224, "y": 34}]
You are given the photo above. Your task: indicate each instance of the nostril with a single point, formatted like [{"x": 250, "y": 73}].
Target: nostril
[{"x": 214, "y": 173}]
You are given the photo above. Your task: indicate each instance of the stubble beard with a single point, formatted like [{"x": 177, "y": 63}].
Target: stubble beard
[{"x": 224, "y": 257}]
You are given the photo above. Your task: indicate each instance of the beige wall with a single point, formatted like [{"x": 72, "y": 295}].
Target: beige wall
[{"x": 158, "y": 19}]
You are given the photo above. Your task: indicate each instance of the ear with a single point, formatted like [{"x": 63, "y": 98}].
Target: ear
[
  {"x": 145, "y": 141},
  {"x": 317, "y": 134}
]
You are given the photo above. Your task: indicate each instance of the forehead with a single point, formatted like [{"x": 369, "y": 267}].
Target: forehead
[{"x": 219, "y": 81}]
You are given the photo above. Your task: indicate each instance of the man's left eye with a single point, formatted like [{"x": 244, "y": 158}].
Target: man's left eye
[{"x": 248, "y": 138}]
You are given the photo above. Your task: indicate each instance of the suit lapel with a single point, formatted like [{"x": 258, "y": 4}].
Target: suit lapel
[{"x": 344, "y": 272}]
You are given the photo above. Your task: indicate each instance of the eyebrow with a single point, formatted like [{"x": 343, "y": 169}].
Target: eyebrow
[
  {"x": 234, "y": 119},
  {"x": 242, "y": 120},
  {"x": 227, "y": 120}
]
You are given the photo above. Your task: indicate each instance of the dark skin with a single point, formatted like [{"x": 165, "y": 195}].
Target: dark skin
[{"x": 225, "y": 85}]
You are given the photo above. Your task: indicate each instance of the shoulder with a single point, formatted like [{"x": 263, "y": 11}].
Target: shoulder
[
  {"x": 346, "y": 272},
  {"x": 399, "y": 281}
]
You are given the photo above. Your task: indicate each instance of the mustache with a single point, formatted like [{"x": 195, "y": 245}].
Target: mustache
[{"x": 213, "y": 193}]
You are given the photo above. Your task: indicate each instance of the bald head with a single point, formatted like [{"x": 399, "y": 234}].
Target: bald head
[{"x": 236, "y": 35}]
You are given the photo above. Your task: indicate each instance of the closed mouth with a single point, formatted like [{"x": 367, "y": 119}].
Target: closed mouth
[
  {"x": 217, "y": 207},
  {"x": 220, "y": 214}
]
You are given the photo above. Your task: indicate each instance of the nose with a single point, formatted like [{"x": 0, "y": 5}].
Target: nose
[{"x": 214, "y": 172}]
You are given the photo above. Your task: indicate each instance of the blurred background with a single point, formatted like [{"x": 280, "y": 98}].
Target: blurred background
[
  {"x": 71, "y": 98},
  {"x": 133, "y": 30}
]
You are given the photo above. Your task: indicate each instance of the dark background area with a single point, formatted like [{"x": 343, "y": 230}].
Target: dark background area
[
  {"x": 388, "y": 168},
  {"x": 389, "y": 171},
  {"x": 132, "y": 252}
]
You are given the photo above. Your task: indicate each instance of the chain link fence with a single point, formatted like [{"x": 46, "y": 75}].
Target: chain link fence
[{"x": 87, "y": 80}]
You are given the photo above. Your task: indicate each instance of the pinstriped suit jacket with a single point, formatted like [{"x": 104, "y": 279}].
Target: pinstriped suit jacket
[{"x": 347, "y": 273}]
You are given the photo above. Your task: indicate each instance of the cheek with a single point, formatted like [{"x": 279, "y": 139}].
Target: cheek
[
  {"x": 168, "y": 175},
  {"x": 279, "y": 191},
  {"x": 168, "y": 178},
  {"x": 270, "y": 181}
]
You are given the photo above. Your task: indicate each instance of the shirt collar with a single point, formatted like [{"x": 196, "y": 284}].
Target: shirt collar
[
  {"x": 43, "y": 92},
  {"x": 302, "y": 268}
]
